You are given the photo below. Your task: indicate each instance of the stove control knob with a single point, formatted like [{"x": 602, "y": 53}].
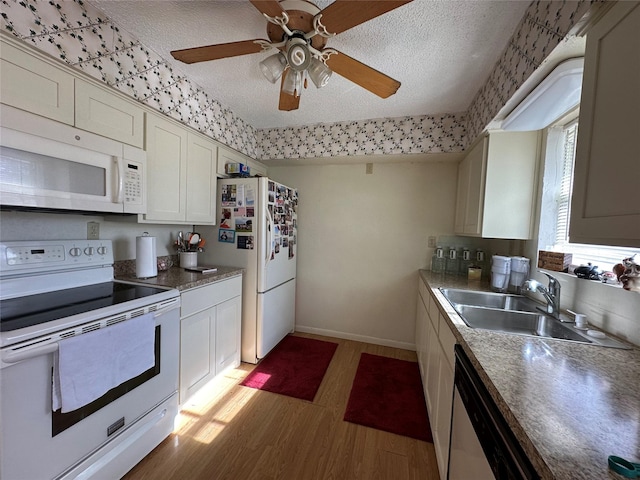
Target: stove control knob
[
  {"x": 75, "y": 252},
  {"x": 88, "y": 251},
  {"x": 102, "y": 250}
]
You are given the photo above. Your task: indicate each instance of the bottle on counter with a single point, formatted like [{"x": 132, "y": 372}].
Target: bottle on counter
[
  {"x": 438, "y": 260},
  {"x": 465, "y": 261},
  {"x": 453, "y": 262},
  {"x": 481, "y": 262}
]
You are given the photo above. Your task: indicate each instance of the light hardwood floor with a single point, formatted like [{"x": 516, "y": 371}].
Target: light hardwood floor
[{"x": 236, "y": 432}]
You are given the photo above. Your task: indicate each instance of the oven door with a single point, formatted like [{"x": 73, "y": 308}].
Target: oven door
[{"x": 40, "y": 443}]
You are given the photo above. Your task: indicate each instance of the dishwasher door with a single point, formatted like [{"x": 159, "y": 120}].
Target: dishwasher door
[
  {"x": 482, "y": 443},
  {"x": 466, "y": 457}
]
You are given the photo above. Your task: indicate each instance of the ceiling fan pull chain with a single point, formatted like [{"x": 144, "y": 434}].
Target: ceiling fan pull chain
[{"x": 320, "y": 29}]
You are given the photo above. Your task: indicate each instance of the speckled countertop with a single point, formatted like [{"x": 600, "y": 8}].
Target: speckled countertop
[
  {"x": 182, "y": 279},
  {"x": 570, "y": 405}
]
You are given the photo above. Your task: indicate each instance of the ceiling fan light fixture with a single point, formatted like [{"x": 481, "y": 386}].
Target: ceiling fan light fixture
[
  {"x": 319, "y": 73},
  {"x": 273, "y": 66},
  {"x": 292, "y": 84},
  {"x": 298, "y": 54}
]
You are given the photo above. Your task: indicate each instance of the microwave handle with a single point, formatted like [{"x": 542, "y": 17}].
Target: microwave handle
[{"x": 119, "y": 179}]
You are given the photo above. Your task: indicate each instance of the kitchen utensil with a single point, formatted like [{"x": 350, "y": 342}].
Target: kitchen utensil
[
  {"x": 194, "y": 239},
  {"x": 624, "y": 467}
]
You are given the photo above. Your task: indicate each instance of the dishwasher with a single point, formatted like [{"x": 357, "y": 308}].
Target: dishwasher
[{"x": 482, "y": 444}]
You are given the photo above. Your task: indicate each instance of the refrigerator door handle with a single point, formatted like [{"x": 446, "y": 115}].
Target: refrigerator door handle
[{"x": 269, "y": 238}]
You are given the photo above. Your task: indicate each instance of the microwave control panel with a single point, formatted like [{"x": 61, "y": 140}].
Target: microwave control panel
[{"x": 133, "y": 181}]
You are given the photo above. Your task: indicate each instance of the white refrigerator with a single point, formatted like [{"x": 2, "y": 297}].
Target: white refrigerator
[{"x": 257, "y": 230}]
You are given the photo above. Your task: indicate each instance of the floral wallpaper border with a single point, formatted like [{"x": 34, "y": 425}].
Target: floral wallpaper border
[{"x": 82, "y": 36}]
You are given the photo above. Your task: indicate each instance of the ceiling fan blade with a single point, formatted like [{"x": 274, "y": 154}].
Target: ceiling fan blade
[
  {"x": 271, "y": 8},
  {"x": 365, "y": 76},
  {"x": 287, "y": 102},
  {"x": 342, "y": 15},
  {"x": 214, "y": 52}
]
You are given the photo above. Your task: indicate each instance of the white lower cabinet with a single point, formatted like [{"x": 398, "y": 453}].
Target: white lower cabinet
[
  {"x": 435, "y": 348},
  {"x": 210, "y": 320}
]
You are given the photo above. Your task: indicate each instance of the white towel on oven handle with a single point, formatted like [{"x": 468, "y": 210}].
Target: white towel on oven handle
[{"x": 89, "y": 365}]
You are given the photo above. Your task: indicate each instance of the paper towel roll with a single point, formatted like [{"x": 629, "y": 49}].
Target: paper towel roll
[{"x": 146, "y": 260}]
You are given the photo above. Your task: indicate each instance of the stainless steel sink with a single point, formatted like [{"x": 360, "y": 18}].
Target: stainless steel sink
[
  {"x": 502, "y": 301},
  {"x": 520, "y": 323},
  {"x": 516, "y": 314}
]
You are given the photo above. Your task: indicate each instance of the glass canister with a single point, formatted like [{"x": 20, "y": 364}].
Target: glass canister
[
  {"x": 453, "y": 262},
  {"x": 465, "y": 261},
  {"x": 481, "y": 262},
  {"x": 438, "y": 260}
]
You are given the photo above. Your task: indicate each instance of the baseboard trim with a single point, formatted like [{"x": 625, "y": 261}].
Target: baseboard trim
[{"x": 357, "y": 338}]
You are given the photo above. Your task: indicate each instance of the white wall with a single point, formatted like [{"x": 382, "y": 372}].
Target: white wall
[
  {"x": 56, "y": 226},
  {"x": 362, "y": 239}
]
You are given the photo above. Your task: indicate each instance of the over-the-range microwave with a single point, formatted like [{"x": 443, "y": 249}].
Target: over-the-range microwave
[{"x": 50, "y": 165}]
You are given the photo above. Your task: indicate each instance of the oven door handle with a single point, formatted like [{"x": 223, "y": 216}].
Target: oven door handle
[{"x": 15, "y": 357}]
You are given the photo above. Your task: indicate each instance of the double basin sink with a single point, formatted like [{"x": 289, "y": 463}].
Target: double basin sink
[{"x": 516, "y": 314}]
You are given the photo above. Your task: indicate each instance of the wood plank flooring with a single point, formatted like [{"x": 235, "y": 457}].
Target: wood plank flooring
[{"x": 236, "y": 432}]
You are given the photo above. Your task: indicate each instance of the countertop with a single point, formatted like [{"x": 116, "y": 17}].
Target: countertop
[
  {"x": 570, "y": 405},
  {"x": 182, "y": 279}
]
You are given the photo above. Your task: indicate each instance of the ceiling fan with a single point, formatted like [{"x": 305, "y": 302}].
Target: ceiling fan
[{"x": 300, "y": 30}]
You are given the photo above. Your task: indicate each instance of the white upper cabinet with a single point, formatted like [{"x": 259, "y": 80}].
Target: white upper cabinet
[
  {"x": 39, "y": 85},
  {"x": 100, "y": 111},
  {"x": 605, "y": 207},
  {"x": 202, "y": 180},
  {"x": 33, "y": 84},
  {"x": 181, "y": 174},
  {"x": 497, "y": 186}
]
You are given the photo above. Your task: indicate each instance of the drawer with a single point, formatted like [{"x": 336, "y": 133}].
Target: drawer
[{"x": 201, "y": 298}]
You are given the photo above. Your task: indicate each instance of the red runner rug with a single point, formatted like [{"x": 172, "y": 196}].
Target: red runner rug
[
  {"x": 387, "y": 395},
  {"x": 295, "y": 367}
]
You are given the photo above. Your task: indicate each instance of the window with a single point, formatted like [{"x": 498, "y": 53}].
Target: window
[{"x": 555, "y": 214}]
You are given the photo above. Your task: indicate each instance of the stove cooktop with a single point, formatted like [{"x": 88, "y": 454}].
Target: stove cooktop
[{"x": 21, "y": 312}]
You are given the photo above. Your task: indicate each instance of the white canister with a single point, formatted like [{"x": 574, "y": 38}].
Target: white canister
[
  {"x": 519, "y": 273},
  {"x": 146, "y": 259},
  {"x": 500, "y": 270}
]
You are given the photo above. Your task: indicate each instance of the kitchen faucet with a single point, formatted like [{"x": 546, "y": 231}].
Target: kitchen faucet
[{"x": 550, "y": 293}]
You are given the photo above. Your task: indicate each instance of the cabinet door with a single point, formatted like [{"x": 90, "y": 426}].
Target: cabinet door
[
  {"x": 106, "y": 114},
  {"x": 462, "y": 193},
  {"x": 509, "y": 188},
  {"x": 228, "y": 321},
  {"x": 201, "y": 180},
  {"x": 605, "y": 208},
  {"x": 475, "y": 195},
  {"x": 443, "y": 414},
  {"x": 197, "y": 351},
  {"x": 257, "y": 169},
  {"x": 226, "y": 156},
  {"x": 422, "y": 335},
  {"x": 433, "y": 364},
  {"x": 166, "y": 145},
  {"x": 32, "y": 84}
]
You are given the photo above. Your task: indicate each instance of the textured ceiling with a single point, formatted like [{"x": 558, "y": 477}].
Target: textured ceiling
[{"x": 442, "y": 52}]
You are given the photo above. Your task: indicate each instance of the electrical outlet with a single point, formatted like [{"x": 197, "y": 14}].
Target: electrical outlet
[
  {"x": 93, "y": 231},
  {"x": 369, "y": 169},
  {"x": 432, "y": 242}
]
